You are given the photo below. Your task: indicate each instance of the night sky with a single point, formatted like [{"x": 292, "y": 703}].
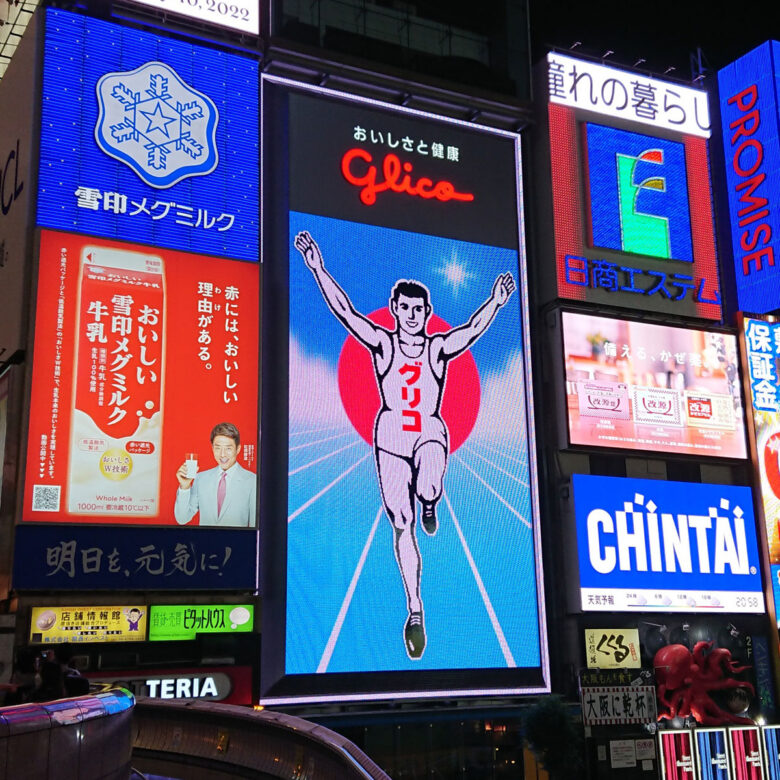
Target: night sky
[{"x": 664, "y": 32}]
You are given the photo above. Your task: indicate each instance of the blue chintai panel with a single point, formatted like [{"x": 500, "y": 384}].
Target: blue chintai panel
[{"x": 148, "y": 139}]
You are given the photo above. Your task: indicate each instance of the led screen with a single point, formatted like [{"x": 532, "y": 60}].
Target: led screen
[
  {"x": 145, "y": 383},
  {"x": 677, "y": 546},
  {"x": 762, "y": 346},
  {"x": 408, "y": 421},
  {"x": 638, "y": 386},
  {"x": 148, "y": 139},
  {"x": 750, "y": 123},
  {"x": 632, "y": 208}
]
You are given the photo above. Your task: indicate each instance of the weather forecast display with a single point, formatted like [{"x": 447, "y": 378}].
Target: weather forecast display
[
  {"x": 632, "y": 208},
  {"x": 638, "y": 386},
  {"x": 148, "y": 139},
  {"x": 411, "y": 514}
]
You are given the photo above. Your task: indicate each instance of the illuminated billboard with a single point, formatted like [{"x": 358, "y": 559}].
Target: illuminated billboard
[
  {"x": 148, "y": 139},
  {"x": 145, "y": 383},
  {"x": 645, "y": 387},
  {"x": 409, "y": 418},
  {"x": 761, "y": 350},
  {"x": 240, "y": 15},
  {"x": 169, "y": 622},
  {"x": 88, "y": 624},
  {"x": 632, "y": 209},
  {"x": 750, "y": 120},
  {"x": 648, "y": 544}
]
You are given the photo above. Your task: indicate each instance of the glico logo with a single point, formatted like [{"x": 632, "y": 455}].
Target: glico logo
[
  {"x": 157, "y": 124},
  {"x": 665, "y": 541},
  {"x": 638, "y": 194},
  {"x": 358, "y": 169}
]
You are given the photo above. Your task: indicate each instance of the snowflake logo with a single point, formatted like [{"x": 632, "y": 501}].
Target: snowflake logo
[{"x": 157, "y": 124}]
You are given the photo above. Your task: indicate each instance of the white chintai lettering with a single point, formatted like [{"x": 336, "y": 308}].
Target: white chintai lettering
[
  {"x": 606, "y": 563},
  {"x": 720, "y": 541}
]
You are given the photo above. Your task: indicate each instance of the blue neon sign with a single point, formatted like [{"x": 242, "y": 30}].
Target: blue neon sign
[{"x": 148, "y": 139}]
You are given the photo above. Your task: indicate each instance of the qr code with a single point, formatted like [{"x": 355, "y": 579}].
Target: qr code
[{"x": 46, "y": 498}]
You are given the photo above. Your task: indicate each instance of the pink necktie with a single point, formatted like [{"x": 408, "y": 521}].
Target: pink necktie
[{"x": 221, "y": 490}]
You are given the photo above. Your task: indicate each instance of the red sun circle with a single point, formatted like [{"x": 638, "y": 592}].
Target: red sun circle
[
  {"x": 360, "y": 394},
  {"x": 771, "y": 465}
]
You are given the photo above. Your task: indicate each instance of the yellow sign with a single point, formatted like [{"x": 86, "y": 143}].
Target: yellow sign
[
  {"x": 51, "y": 625},
  {"x": 612, "y": 648}
]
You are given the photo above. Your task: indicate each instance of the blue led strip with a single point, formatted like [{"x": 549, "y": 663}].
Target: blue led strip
[{"x": 215, "y": 213}]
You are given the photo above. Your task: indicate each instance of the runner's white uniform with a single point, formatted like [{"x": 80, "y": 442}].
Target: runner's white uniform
[{"x": 423, "y": 396}]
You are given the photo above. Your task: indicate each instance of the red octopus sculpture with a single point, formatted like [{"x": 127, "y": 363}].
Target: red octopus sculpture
[{"x": 686, "y": 679}]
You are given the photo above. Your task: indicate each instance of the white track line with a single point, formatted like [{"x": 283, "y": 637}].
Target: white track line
[
  {"x": 319, "y": 441},
  {"x": 503, "y": 644},
  {"x": 493, "y": 448},
  {"x": 324, "y": 490},
  {"x": 496, "y": 466},
  {"x": 324, "y": 457},
  {"x": 314, "y": 430},
  {"x": 334, "y": 634},
  {"x": 502, "y": 500}
]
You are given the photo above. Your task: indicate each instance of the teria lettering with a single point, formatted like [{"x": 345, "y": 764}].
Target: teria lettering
[
  {"x": 747, "y": 159},
  {"x": 397, "y": 178},
  {"x": 663, "y": 541}
]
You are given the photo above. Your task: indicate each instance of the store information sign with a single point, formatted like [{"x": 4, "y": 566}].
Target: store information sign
[
  {"x": 762, "y": 347},
  {"x": 148, "y": 139},
  {"x": 145, "y": 382},
  {"x": 750, "y": 119},
  {"x": 239, "y": 15},
  {"x": 408, "y": 403},
  {"x": 639, "y": 386},
  {"x": 88, "y": 624},
  {"x": 632, "y": 208},
  {"x": 181, "y": 621},
  {"x": 683, "y": 547},
  {"x": 712, "y": 754}
]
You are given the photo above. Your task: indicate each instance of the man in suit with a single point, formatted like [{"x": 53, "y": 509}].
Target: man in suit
[{"x": 225, "y": 495}]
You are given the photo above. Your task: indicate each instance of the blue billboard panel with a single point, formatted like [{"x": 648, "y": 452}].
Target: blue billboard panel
[
  {"x": 638, "y": 193},
  {"x": 749, "y": 119},
  {"x": 712, "y": 752},
  {"x": 139, "y": 558},
  {"x": 676, "y": 546},
  {"x": 148, "y": 139}
]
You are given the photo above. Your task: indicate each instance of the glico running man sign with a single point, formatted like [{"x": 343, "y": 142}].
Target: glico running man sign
[{"x": 410, "y": 503}]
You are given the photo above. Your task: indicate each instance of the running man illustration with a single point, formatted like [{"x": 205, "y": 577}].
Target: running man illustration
[{"x": 411, "y": 441}]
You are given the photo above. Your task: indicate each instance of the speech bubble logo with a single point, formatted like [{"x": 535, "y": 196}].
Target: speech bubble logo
[{"x": 239, "y": 616}]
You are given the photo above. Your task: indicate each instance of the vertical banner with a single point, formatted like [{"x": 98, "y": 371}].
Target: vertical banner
[
  {"x": 712, "y": 754},
  {"x": 409, "y": 418},
  {"x": 746, "y": 756},
  {"x": 761, "y": 346},
  {"x": 145, "y": 385},
  {"x": 677, "y": 760}
]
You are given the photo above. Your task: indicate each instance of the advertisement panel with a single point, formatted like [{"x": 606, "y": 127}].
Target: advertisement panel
[
  {"x": 771, "y": 737},
  {"x": 240, "y": 15},
  {"x": 408, "y": 390},
  {"x": 645, "y": 544},
  {"x": 632, "y": 208},
  {"x": 746, "y": 755},
  {"x": 751, "y": 127},
  {"x": 612, "y": 648},
  {"x": 677, "y": 761},
  {"x": 59, "y": 557},
  {"x": 638, "y": 386},
  {"x": 761, "y": 346},
  {"x": 168, "y": 622},
  {"x": 88, "y": 624},
  {"x": 145, "y": 383},
  {"x": 17, "y": 101},
  {"x": 712, "y": 754},
  {"x": 148, "y": 139}
]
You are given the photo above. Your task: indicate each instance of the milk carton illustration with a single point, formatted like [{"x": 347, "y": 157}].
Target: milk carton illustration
[{"x": 119, "y": 365}]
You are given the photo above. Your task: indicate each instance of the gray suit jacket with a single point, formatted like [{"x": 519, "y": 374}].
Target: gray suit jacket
[{"x": 238, "y": 508}]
